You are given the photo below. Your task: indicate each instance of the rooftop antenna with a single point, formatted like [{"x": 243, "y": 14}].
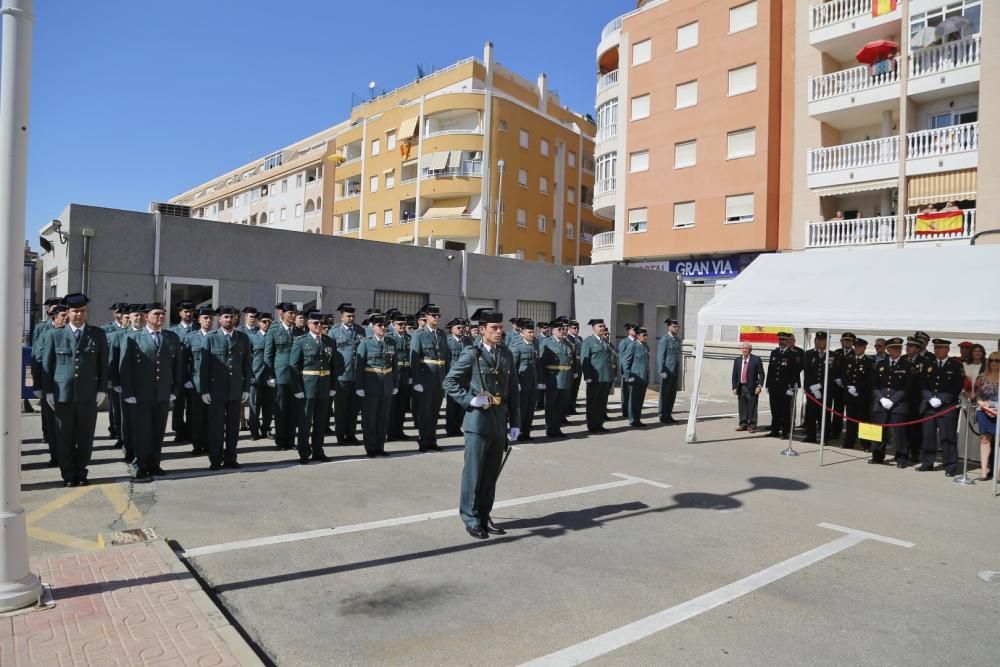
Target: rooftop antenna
[
  {"x": 371, "y": 90},
  {"x": 420, "y": 72}
]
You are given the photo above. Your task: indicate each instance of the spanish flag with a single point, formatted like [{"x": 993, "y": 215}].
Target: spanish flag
[
  {"x": 880, "y": 7},
  {"x": 942, "y": 222},
  {"x": 752, "y": 333}
]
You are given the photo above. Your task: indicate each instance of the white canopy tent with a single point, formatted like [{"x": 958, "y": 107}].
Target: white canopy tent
[{"x": 942, "y": 290}]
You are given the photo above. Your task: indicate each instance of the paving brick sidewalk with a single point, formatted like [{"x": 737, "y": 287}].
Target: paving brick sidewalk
[{"x": 128, "y": 605}]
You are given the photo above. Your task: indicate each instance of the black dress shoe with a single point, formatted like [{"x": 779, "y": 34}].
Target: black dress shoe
[
  {"x": 383, "y": 453},
  {"x": 304, "y": 460},
  {"x": 435, "y": 447},
  {"x": 901, "y": 464},
  {"x": 256, "y": 436},
  {"x": 68, "y": 484},
  {"x": 984, "y": 478},
  {"x": 925, "y": 467},
  {"x": 493, "y": 529},
  {"x": 321, "y": 457},
  {"x": 371, "y": 455},
  {"x": 555, "y": 434},
  {"x": 52, "y": 463},
  {"x": 159, "y": 471},
  {"x": 118, "y": 445},
  {"x": 476, "y": 531},
  {"x": 525, "y": 437},
  {"x": 215, "y": 466},
  {"x": 950, "y": 473},
  {"x": 232, "y": 464},
  {"x": 875, "y": 461},
  {"x": 637, "y": 424}
]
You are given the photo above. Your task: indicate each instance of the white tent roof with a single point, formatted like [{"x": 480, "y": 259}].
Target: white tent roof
[{"x": 944, "y": 289}]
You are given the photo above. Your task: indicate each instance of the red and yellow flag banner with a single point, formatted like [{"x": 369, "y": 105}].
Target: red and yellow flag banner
[
  {"x": 880, "y": 7},
  {"x": 942, "y": 222},
  {"x": 752, "y": 333}
]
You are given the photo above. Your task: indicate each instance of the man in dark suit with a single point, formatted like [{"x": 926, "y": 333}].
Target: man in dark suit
[{"x": 748, "y": 380}]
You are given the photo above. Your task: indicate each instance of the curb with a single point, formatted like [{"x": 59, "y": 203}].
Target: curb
[{"x": 234, "y": 641}]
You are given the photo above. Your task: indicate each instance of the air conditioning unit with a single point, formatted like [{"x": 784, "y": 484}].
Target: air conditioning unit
[{"x": 176, "y": 210}]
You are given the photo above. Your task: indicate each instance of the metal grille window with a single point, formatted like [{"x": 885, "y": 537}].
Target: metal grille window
[
  {"x": 406, "y": 302},
  {"x": 539, "y": 311}
]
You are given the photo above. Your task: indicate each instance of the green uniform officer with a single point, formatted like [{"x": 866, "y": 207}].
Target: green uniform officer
[
  {"x": 180, "y": 413},
  {"x": 280, "y": 376},
  {"x": 346, "y": 405},
  {"x": 453, "y": 412},
  {"x": 134, "y": 321},
  {"x": 193, "y": 346},
  {"x": 377, "y": 381},
  {"x": 576, "y": 341},
  {"x": 668, "y": 360},
  {"x": 623, "y": 344},
  {"x": 522, "y": 347},
  {"x": 117, "y": 323},
  {"x": 75, "y": 363},
  {"x": 151, "y": 372},
  {"x": 429, "y": 362},
  {"x": 315, "y": 364},
  {"x": 225, "y": 386},
  {"x": 635, "y": 371},
  {"x": 58, "y": 316},
  {"x": 404, "y": 383},
  {"x": 556, "y": 364},
  {"x": 261, "y": 395},
  {"x": 599, "y": 366},
  {"x": 484, "y": 382}
]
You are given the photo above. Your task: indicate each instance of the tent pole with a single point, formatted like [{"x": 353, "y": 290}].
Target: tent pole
[
  {"x": 699, "y": 355},
  {"x": 822, "y": 414},
  {"x": 996, "y": 456}
]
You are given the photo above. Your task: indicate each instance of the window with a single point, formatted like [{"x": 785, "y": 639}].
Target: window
[
  {"x": 683, "y": 214},
  {"x": 408, "y": 302},
  {"x": 543, "y": 146},
  {"x": 272, "y": 189},
  {"x": 569, "y": 230},
  {"x": 571, "y": 159},
  {"x": 524, "y": 139},
  {"x": 390, "y": 140},
  {"x": 687, "y": 36},
  {"x": 571, "y": 195},
  {"x": 743, "y": 17},
  {"x": 373, "y": 183},
  {"x": 543, "y": 185},
  {"x": 541, "y": 223},
  {"x": 687, "y": 95},
  {"x": 638, "y": 161},
  {"x": 387, "y": 218},
  {"x": 372, "y": 220},
  {"x": 741, "y": 143},
  {"x": 640, "y": 107},
  {"x": 255, "y": 194},
  {"x": 522, "y": 177},
  {"x": 502, "y": 126},
  {"x": 539, "y": 311},
  {"x": 284, "y": 214},
  {"x": 739, "y": 208},
  {"x": 607, "y": 120},
  {"x": 390, "y": 178},
  {"x": 298, "y": 180},
  {"x": 298, "y": 210},
  {"x": 376, "y": 147},
  {"x": 743, "y": 79},
  {"x": 685, "y": 154},
  {"x": 284, "y": 185},
  {"x": 641, "y": 52},
  {"x": 636, "y": 220},
  {"x": 971, "y": 10},
  {"x": 522, "y": 218}
]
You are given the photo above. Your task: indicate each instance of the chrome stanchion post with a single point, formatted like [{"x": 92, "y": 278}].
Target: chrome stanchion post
[
  {"x": 963, "y": 423},
  {"x": 793, "y": 409}
]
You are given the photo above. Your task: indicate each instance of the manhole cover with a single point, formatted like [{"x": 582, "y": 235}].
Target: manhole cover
[
  {"x": 990, "y": 576},
  {"x": 133, "y": 536}
]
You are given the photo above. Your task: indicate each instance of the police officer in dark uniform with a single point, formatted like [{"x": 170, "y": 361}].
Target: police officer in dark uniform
[
  {"x": 314, "y": 362},
  {"x": 429, "y": 362},
  {"x": 838, "y": 365},
  {"x": 857, "y": 379},
  {"x": 915, "y": 432},
  {"x": 783, "y": 372},
  {"x": 940, "y": 387},
  {"x": 815, "y": 360},
  {"x": 378, "y": 376},
  {"x": 894, "y": 381}
]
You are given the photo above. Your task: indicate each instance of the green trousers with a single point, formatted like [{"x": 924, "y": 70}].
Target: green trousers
[{"x": 483, "y": 455}]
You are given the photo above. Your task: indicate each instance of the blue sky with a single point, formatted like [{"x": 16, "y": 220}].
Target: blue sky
[{"x": 136, "y": 100}]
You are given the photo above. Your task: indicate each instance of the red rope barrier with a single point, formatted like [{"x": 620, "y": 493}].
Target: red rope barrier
[{"x": 858, "y": 421}]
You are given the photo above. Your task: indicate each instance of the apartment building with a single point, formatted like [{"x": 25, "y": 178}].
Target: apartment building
[
  {"x": 877, "y": 144},
  {"x": 693, "y": 136},
  {"x": 431, "y": 164}
]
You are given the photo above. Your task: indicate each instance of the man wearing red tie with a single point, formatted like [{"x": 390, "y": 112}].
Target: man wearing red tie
[{"x": 748, "y": 380}]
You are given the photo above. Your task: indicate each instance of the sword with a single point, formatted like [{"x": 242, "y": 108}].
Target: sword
[{"x": 507, "y": 449}]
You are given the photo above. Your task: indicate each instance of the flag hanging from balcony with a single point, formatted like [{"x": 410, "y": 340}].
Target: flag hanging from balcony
[
  {"x": 752, "y": 333},
  {"x": 942, "y": 222},
  {"x": 880, "y": 7}
]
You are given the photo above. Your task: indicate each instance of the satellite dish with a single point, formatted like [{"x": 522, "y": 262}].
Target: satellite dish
[{"x": 371, "y": 85}]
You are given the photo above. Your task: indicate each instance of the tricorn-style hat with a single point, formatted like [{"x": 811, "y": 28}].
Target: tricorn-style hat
[
  {"x": 595, "y": 321},
  {"x": 345, "y": 308},
  {"x": 227, "y": 310},
  {"x": 76, "y": 300}
]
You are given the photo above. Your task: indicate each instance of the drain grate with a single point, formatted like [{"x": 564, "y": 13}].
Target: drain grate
[{"x": 133, "y": 536}]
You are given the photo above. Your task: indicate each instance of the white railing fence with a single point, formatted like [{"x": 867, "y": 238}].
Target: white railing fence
[
  {"x": 878, "y": 230},
  {"x": 884, "y": 150}
]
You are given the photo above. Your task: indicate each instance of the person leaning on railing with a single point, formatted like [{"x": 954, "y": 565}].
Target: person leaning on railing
[{"x": 985, "y": 392}]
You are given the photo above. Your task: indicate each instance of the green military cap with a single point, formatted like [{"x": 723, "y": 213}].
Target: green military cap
[{"x": 526, "y": 324}]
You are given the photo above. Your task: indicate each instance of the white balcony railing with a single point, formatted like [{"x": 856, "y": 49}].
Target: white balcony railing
[
  {"x": 313, "y": 213},
  {"x": 849, "y": 81},
  {"x": 604, "y": 186},
  {"x": 606, "y": 132},
  {"x": 447, "y": 131},
  {"x": 944, "y": 57},
  {"x": 827, "y": 13},
  {"x": 467, "y": 168},
  {"x": 349, "y": 195},
  {"x": 876, "y": 231},
  {"x": 612, "y": 26},
  {"x": 607, "y": 80},
  {"x": 603, "y": 240},
  {"x": 942, "y": 141},
  {"x": 854, "y": 156}
]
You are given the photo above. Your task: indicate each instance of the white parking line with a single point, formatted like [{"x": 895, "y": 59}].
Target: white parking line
[
  {"x": 633, "y": 632},
  {"x": 627, "y": 480}
]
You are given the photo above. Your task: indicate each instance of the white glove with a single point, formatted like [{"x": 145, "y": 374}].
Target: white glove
[
  {"x": 117, "y": 389},
  {"x": 817, "y": 393},
  {"x": 38, "y": 393},
  {"x": 189, "y": 385},
  {"x": 395, "y": 391},
  {"x": 131, "y": 400},
  {"x": 816, "y": 388},
  {"x": 172, "y": 398},
  {"x": 333, "y": 392},
  {"x": 541, "y": 386},
  {"x": 409, "y": 380},
  {"x": 514, "y": 434},
  {"x": 206, "y": 399},
  {"x": 839, "y": 382},
  {"x": 100, "y": 397},
  {"x": 886, "y": 403},
  {"x": 630, "y": 380},
  {"x": 576, "y": 375},
  {"x": 360, "y": 392},
  {"x": 301, "y": 394},
  {"x": 479, "y": 402},
  {"x": 245, "y": 397},
  {"x": 663, "y": 375},
  {"x": 418, "y": 387},
  {"x": 852, "y": 390},
  {"x": 790, "y": 392},
  {"x": 51, "y": 400},
  {"x": 935, "y": 402},
  {"x": 271, "y": 382},
  {"x": 588, "y": 380}
]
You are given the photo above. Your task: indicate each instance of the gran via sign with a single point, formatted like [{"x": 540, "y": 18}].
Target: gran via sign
[{"x": 703, "y": 268}]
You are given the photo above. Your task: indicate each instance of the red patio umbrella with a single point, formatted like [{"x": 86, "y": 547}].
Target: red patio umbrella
[{"x": 872, "y": 52}]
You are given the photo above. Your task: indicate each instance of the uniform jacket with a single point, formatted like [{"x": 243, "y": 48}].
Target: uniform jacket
[
  {"x": 598, "y": 360},
  {"x": 37, "y": 348},
  {"x": 320, "y": 357},
  {"x": 402, "y": 356},
  {"x": 622, "y": 345},
  {"x": 635, "y": 362},
  {"x": 813, "y": 371},
  {"x": 277, "y": 349},
  {"x": 347, "y": 340},
  {"x": 480, "y": 370},
  {"x": 258, "y": 368},
  {"x": 181, "y": 331},
  {"x": 75, "y": 370},
  {"x": 944, "y": 383},
  {"x": 525, "y": 363},
  {"x": 859, "y": 372},
  {"x": 193, "y": 347},
  {"x": 783, "y": 369},
  {"x": 894, "y": 382},
  {"x": 225, "y": 365},
  {"x": 377, "y": 356},
  {"x": 556, "y": 363},
  {"x": 455, "y": 347},
  {"x": 668, "y": 354},
  {"x": 116, "y": 346},
  {"x": 430, "y": 345},
  {"x": 151, "y": 373},
  {"x": 755, "y": 372}
]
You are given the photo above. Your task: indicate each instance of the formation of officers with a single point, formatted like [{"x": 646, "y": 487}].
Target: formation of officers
[
  {"x": 299, "y": 372},
  {"x": 911, "y": 388}
]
